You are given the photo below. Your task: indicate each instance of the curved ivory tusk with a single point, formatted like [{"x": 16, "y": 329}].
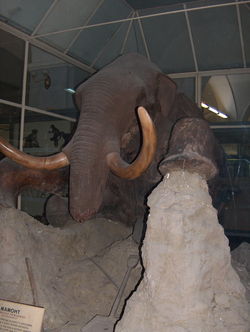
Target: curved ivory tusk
[
  {"x": 134, "y": 170},
  {"x": 49, "y": 163}
]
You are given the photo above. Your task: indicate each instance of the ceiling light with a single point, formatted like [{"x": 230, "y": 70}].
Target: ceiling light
[
  {"x": 69, "y": 90},
  {"x": 204, "y": 105},
  {"x": 214, "y": 110}
]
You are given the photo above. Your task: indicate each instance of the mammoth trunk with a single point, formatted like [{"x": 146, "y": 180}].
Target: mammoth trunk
[{"x": 88, "y": 168}]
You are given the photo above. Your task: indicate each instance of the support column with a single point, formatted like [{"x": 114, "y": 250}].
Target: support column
[{"x": 188, "y": 283}]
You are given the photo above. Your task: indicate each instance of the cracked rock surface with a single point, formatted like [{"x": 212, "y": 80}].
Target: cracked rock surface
[
  {"x": 189, "y": 283},
  {"x": 241, "y": 263},
  {"x": 77, "y": 270}
]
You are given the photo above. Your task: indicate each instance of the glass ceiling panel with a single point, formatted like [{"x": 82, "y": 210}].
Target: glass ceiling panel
[
  {"x": 24, "y": 13},
  {"x": 111, "y": 10},
  {"x": 134, "y": 42},
  {"x": 158, "y": 10},
  {"x": 68, "y": 14},
  {"x": 216, "y": 38},
  {"x": 202, "y": 3},
  {"x": 91, "y": 41},
  {"x": 164, "y": 47},
  {"x": 62, "y": 40},
  {"x": 139, "y": 4},
  {"x": 113, "y": 48},
  {"x": 245, "y": 21}
]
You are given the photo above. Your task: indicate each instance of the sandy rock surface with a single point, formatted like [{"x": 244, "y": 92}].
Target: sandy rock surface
[
  {"x": 241, "y": 264},
  {"x": 77, "y": 270},
  {"x": 189, "y": 283}
]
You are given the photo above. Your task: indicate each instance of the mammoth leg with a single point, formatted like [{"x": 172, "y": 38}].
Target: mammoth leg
[
  {"x": 15, "y": 178},
  {"x": 192, "y": 147}
]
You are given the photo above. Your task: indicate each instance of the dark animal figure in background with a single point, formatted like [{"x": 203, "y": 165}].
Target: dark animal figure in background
[
  {"x": 108, "y": 133},
  {"x": 57, "y": 135},
  {"x": 31, "y": 141}
]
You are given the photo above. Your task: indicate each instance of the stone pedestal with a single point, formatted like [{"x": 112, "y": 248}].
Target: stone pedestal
[{"x": 189, "y": 283}]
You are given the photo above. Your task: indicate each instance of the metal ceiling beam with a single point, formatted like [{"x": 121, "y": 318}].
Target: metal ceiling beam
[
  {"x": 144, "y": 17},
  {"x": 108, "y": 42},
  {"x": 127, "y": 34},
  {"x": 198, "y": 82},
  {"x": 86, "y": 23},
  {"x": 241, "y": 35},
  {"x": 54, "y": 115},
  {"x": 127, "y": 4},
  {"x": 37, "y": 110},
  {"x": 24, "y": 85},
  {"x": 46, "y": 47},
  {"x": 44, "y": 17},
  {"x": 143, "y": 37},
  {"x": 193, "y": 74},
  {"x": 191, "y": 38},
  {"x": 24, "y": 88},
  {"x": 234, "y": 99}
]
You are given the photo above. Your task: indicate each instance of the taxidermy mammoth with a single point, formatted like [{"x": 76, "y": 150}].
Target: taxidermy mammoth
[{"x": 112, "y": 102}]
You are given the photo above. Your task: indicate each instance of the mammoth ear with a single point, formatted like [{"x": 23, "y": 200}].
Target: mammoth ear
[{"x": 166, "y": 93}]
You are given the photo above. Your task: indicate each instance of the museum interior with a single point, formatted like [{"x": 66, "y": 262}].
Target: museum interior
[{"x": 85, "y": 271}]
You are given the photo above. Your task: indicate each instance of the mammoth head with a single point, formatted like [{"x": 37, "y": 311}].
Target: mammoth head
[
  {"x": 94, "y": 150},
  {"x": 86, "y": 202}
]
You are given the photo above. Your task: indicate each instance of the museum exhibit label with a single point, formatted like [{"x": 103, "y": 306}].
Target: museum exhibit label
[{"x": 20, "y": 317}]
